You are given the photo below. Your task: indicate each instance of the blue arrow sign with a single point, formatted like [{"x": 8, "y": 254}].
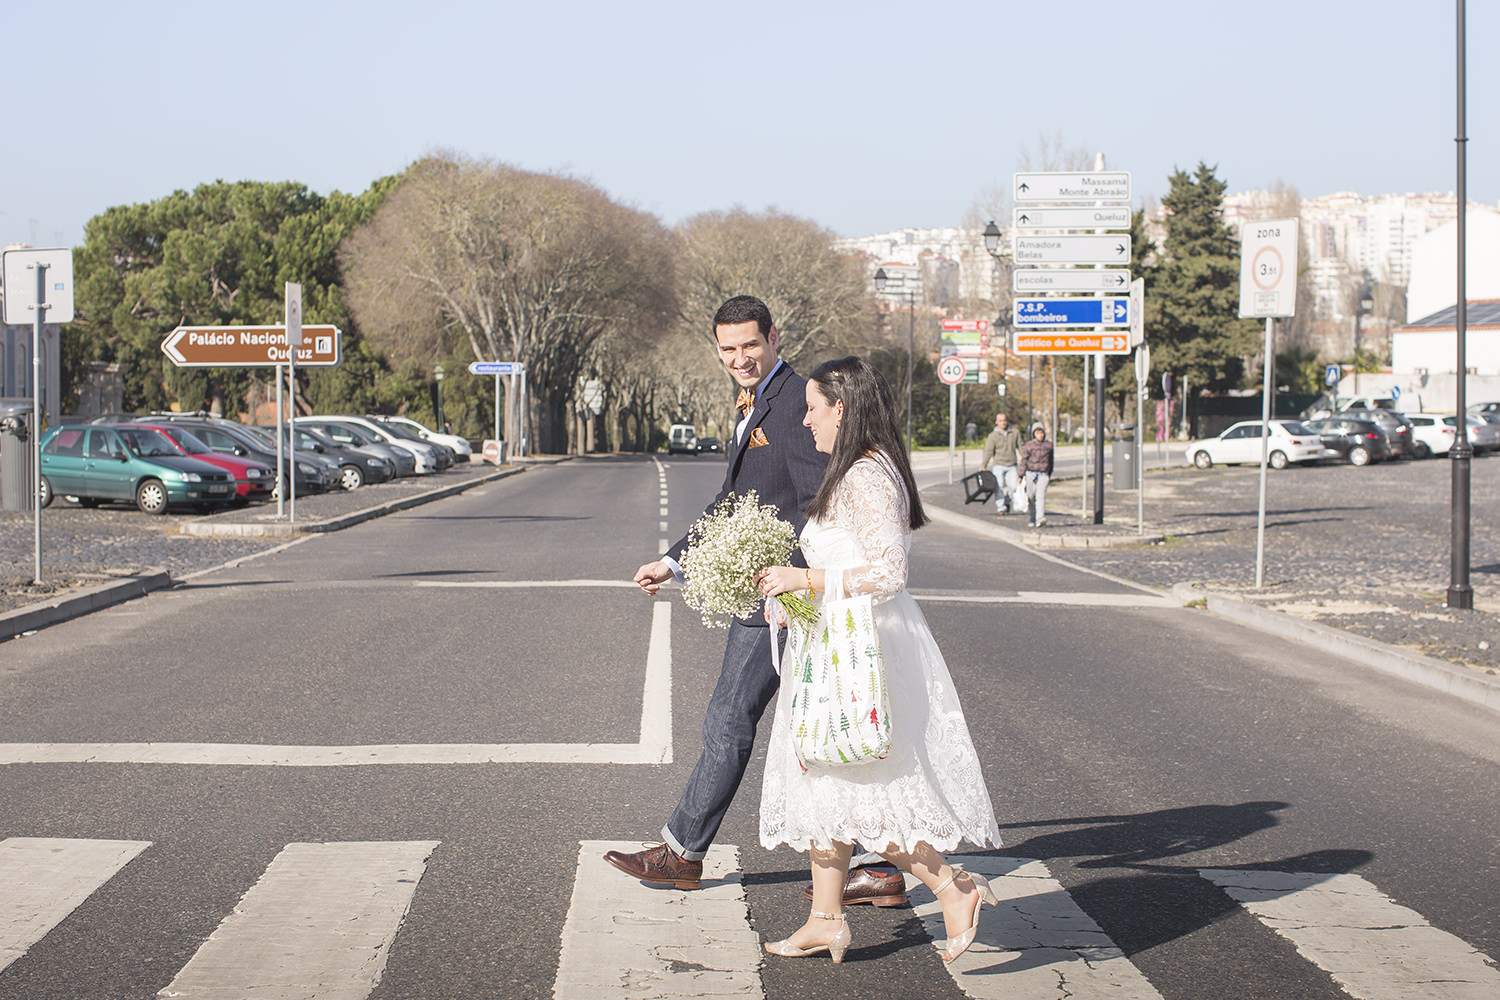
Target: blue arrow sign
[
  {"x": 1072, "y": 312},
  {"x": 496, "y": 368}
]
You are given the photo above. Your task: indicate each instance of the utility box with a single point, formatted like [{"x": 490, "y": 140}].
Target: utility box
[
  {"x": 1122, "y": 455},
  {"x": 17, "y": 480}
]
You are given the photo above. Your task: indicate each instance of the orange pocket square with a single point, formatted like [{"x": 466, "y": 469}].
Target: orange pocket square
[{"x": 757, "y": 438}]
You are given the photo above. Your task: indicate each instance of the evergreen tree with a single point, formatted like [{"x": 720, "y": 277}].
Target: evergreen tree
[{"x": 1192, "y": 298}]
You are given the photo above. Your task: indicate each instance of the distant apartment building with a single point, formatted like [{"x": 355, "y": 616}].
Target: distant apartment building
[{"x": 944, "y": 266}]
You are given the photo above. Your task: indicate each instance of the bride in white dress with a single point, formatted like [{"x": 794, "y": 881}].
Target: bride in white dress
[{"x": 927, "y": 794}]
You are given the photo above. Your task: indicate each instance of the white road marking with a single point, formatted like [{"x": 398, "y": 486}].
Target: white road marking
[
  {"x": 1059, "y": 599},
  {"x": 42, "y": 880},
  {"x": 653, "y": 747},
  {"x": 317, "y": 926},
  {"x": 527, "y": 584},
  {"x": 625, "y": 941},
  {"x": 1372, "y": 946},
  {"x": 661, "y": 526},
  {"x": 663, "y": 512},
  {"x": 1037, "y": 944}
]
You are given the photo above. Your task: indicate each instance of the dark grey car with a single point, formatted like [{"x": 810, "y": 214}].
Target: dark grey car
[
  {"x": 1395, "y": 427},
  {"x": 351, "y": 436}
]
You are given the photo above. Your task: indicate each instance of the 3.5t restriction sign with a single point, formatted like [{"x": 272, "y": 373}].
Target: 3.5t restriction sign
[{"x": 1268, "y": 268}]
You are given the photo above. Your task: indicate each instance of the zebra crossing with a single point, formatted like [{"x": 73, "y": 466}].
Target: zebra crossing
[{"x": 320, "y": 921}]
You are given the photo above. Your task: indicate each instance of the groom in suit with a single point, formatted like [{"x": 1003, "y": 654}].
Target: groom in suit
[{"x": 772, "y": 453}]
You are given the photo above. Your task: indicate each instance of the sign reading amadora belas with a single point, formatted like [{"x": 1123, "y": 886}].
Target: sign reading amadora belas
[{"x": 250, "y": 346}]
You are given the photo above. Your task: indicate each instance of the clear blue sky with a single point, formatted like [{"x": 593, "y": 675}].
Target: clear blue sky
[{"x": 864, "y": 117}]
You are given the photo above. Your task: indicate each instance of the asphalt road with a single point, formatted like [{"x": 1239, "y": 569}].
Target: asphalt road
[{"x": 1143, "y": 755}]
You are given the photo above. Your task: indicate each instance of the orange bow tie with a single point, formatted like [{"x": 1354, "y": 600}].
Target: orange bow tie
[{"x": 745, "y": 401}]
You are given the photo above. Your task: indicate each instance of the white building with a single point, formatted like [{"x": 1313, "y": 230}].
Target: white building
[
  {"x": 951, "y": 261},
  {"x": 1434, "y": 277}
]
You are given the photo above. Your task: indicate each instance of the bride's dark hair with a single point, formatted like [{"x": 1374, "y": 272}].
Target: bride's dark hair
[{"x": 867, "y": 427}]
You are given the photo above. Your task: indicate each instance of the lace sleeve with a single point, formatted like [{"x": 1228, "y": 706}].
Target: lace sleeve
[{"x": 873, "y": 504}]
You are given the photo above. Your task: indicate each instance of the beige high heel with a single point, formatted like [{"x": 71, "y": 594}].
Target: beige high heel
[
  {"x": 984, "y": 894},
  {"x": 835, "y": 948}
]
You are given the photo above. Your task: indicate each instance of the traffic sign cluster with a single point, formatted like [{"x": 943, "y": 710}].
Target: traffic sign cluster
[{"x": 1048, "y": 220}]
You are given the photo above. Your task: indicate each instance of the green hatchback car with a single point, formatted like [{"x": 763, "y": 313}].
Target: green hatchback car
[{"x": 95, "y": 464}]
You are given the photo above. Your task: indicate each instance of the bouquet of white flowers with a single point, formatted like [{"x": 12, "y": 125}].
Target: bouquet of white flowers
[{"x": 726, "y": 548}]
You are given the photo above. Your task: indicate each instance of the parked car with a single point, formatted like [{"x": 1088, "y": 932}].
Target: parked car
[
  {"x": 362, "y": 440},
  {"x": 355, "y": 467},
  {"x": 446, "y": 456},
  {"x": 428, "y": 456},
  {"x": 682, "y": 439},
  {"x": 1395, "y": 426},
  {"x": 1484, "y": 431},
  {"x": 136, "y": 464},
  {"x": 1291, "y": 441},
  {"x": 710, "y": 444},
  {"x": 310, "y": 473},
  {"x": 252, "y": 480},
  {"x": 1358, "y": 441},
  {"x": 461, "y": 447}
]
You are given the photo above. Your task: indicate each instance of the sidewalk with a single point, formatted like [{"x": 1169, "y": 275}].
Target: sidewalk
[
  {"x": 95, "y": 557},
  {"x": 1355, "y": 560}
]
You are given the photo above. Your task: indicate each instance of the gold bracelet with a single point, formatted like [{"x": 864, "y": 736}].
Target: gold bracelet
[{"x": 807, "y": 575}]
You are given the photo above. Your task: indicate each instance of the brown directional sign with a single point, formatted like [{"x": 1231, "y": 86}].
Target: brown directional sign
[{"x": 250, "y": 346}]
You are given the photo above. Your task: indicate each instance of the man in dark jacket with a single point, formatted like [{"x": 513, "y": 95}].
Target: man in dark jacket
[
  {"x": 1002, "y": 450},
  {"x": 772, "y": 453},
  {"x": 1036, "y": 467}
]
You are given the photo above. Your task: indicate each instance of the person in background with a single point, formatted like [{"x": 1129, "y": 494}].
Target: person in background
[
  {"x": 1036, "y": 467},
  {"x": 1001, "y": 453}
]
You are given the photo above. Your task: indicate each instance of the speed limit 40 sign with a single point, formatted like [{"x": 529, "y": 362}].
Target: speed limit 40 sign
[
  {"x": 1268, "y": 268},
  {"x": 951, "y": 370}
]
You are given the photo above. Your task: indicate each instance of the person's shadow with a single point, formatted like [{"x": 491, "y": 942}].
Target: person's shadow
[{"x": 1127, "y": 840}]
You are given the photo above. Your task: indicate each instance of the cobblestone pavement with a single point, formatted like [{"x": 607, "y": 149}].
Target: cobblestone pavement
[
  {"x": 1361, "y": 549},
  {"x": 84, "y": 546}
]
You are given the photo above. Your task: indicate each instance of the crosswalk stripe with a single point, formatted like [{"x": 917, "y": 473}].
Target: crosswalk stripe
[
  {"x": 1038, "y": 943},
  {"x": 625, "y": 941},
  {"x": 44, "y": 879},
  {"x": 317, "y": 926},
  {"x": 1372, "y": 946}
]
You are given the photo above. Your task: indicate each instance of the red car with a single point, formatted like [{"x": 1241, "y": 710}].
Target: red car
[{"x": 252, "y": 480}]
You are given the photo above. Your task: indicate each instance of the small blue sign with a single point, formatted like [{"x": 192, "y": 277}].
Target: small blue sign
[
  {"x": 496, "y": 368},
  {"x": 1072, "y": 312},
  {"x": 1331, "y": 376}
]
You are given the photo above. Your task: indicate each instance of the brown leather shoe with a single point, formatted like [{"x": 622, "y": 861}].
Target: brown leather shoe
[
  {"x": 659, "y": 865},
  {"x": 881, "y": 885}
]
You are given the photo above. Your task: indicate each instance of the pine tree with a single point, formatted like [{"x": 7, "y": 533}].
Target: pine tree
[{"x": 1192, "y": 298}]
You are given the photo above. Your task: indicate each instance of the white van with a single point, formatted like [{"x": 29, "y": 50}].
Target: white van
[{"x": 682, "y": 438}]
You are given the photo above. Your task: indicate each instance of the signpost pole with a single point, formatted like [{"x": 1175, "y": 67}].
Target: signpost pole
[
  {"x": 1098, "y": 439},
  {"x": 36, "y": 410},
  {"x": 952, "y": 428},
  {"x": 291, "y": 446},
  {"x": 281, "y": 477},
  {"x": 1265, "y": 451},
  {"x": 1083, "y": 498}
]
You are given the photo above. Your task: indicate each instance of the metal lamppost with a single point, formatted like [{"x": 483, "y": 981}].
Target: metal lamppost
[
  {"x": 437, "y": 390},
  {"x": 992, "y": 237},
  {"x": 1364, "y": 304},
  {"x": 882, "y": 280}
]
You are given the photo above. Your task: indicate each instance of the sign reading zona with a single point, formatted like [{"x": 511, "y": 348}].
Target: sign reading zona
[{"x": 250, "y": 346}]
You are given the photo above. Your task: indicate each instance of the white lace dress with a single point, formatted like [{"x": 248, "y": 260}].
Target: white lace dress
[{"x": 929, "y": 788}]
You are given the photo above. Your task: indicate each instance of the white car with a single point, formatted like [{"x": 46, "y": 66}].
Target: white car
[
  {"x": 425, "y": 454},
  {"x": 1241, "y": 444},
  {"x": 460, "y": 446},
  {"x": 1436, "y": 432}
]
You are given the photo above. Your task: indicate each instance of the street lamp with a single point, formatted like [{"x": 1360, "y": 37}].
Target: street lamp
[
  {"x": 1364, "y": 303},
  {"x": 992, "y": 247},
  {"x": 437, "y": 389},
  {"x": 882, "y": 280}
]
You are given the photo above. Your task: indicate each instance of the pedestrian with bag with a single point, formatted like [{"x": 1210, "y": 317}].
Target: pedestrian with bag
[
  {"x": 1002, "y": 450},
  {"x": 909, "y": 785}
]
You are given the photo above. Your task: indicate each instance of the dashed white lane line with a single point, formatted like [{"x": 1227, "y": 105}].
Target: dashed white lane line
[
  {"x": 653, "y": 747},
  {"x": 43, "y": 879},
  {"x": 625, "y": 941},
  {"x": 1038, "y": 944},
  {"x": 317, "y": 926},
  {"x": 1372, "y": 946},
  {"x": 1055, "y": 598}
]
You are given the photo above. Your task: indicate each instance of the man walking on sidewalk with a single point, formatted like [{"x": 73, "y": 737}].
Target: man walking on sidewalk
[{"x": 1002, "y": 450}]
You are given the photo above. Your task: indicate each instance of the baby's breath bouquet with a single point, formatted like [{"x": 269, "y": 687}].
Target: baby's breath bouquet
[{"x": 726, "y": 548}]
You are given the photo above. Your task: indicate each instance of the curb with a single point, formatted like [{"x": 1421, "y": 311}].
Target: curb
[
  {"x": 242, "y": 529},
  {"x": 1039, "y": 539},
  {"x": 39, "y": 616},
  {"x": 1477, "y": 689}
]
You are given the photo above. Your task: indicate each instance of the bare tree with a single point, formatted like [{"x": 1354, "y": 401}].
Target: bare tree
[{"x": 523, "y": 266}]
